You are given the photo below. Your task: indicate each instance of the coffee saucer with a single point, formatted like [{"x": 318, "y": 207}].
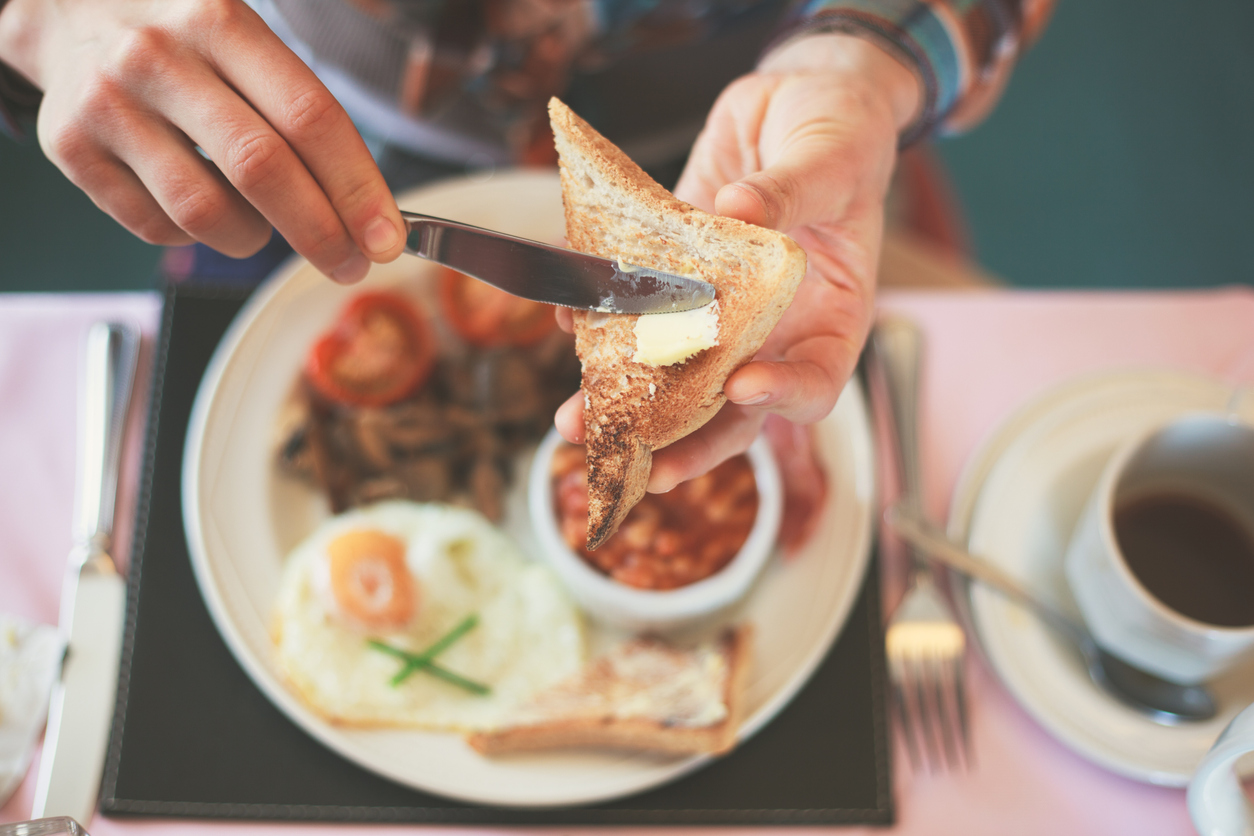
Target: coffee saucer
[{"x": 1016, "y": 504}]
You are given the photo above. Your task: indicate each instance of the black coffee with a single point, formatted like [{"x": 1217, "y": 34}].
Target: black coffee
[{"x": 1190, "y": 554}]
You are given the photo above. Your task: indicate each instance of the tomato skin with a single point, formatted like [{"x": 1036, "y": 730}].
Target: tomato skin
[
  {"x": 379, "y": 351},
  {"x": 488, "y": 317}
]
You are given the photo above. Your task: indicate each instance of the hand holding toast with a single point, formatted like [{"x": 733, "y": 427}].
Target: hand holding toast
[{"x": 805, "y": 146}]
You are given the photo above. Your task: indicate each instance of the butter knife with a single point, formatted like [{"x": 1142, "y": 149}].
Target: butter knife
[
  {"x": 93, "y": 597},
  {"x": 555, "y": 275}
]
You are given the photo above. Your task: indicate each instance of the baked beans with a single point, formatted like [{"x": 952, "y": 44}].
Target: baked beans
[{"x": 668, "y": 540}]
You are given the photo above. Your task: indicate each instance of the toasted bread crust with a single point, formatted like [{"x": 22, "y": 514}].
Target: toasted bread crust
[
  {"x": 615, "y": 210},
  {"x": 636, "y": 733},
  {"x": 616, "y": 456}
]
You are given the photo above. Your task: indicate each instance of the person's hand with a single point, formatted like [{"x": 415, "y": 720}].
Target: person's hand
[
  {"x": 131, "y": 89},
  {"x": 805, "y": 145}
]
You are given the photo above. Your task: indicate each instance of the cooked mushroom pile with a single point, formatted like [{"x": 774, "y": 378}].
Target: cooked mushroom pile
[{"x": 453, "y": 439}]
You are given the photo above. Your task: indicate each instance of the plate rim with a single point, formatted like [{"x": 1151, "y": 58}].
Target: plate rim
[{"x": 864, "y": 467}]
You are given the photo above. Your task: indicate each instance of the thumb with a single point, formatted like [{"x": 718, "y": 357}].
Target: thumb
[
  {"x": 822, "y": 147},
  {"x": 811, "y": 181}
]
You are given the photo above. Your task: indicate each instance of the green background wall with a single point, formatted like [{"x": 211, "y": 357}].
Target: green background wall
[{"x": 1123, "y": 152}]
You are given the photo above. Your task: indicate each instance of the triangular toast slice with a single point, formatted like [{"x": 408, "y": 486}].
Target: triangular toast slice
[{"x": 615, "y": 210}]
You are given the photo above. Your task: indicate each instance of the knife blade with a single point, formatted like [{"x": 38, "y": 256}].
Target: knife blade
[
  {"x": 555, "y": 275},
  {"x": 93, "y": 596}
]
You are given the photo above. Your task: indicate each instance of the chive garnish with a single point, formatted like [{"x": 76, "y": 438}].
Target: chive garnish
[{"x": 425, "y": 661}]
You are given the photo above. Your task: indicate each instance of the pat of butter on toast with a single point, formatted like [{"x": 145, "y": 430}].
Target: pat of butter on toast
[{"x": 670, "y": 338}]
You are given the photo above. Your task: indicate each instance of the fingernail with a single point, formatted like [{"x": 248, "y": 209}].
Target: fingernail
[
  {"x": 653, "y": 487},
  {"x": 753, "y": 400},
  {"x": 380, "y": 236},
  {"x": 353, "y": 270}
]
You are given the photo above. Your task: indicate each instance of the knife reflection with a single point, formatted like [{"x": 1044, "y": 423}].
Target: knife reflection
[{"x": 93, "y": 599}]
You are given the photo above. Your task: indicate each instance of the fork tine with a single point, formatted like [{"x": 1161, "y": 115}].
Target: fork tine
[
  {"x": 905, "y": 725},
  {"x": 944, "y": 681},
  {"x": 926, "y": 713},
  {"x": 960, "y": 703}
]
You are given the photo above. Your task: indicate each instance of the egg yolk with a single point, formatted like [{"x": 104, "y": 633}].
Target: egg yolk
[{"x": 370, "y": 581}]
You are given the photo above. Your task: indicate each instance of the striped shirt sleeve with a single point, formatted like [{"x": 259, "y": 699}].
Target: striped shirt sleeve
[{"x": 961, "y": 50}]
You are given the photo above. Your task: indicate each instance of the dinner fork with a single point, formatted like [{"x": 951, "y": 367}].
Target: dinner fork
[{"x": 924, "y": 644}]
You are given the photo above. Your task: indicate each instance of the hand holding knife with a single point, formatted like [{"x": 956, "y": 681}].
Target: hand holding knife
[{"x": 93, "y": 600}]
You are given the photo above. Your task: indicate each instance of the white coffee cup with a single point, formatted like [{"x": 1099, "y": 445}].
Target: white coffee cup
[
  {"x": 1201, "y": 462},
  {"x": 1217, "y": 803}
]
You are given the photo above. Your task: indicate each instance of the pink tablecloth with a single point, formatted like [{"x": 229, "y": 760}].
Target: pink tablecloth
[{"x": 989, "y": 352}]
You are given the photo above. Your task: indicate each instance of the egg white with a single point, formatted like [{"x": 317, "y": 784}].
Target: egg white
[{"x": 529, "y": 634}]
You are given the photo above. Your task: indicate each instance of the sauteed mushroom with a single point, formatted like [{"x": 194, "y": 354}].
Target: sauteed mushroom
[{"x": 454, "y": 440}]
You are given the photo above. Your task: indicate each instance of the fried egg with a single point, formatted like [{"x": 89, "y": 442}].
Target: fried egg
[{"x": 404, "y": 575}]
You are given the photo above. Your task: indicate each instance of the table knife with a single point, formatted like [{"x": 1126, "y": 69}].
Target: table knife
[
  {"x": 59, "y": 826},
  {"x": 93, "y": 597},
  {"x": 555, "y": 275}
]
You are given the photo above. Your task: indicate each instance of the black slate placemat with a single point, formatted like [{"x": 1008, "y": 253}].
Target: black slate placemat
[{"x": 194, "y": 737}]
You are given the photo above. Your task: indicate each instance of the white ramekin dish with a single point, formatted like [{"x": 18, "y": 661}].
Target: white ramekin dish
[{"x": 644, "y": 610}]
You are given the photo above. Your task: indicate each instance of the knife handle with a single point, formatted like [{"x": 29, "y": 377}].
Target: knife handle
[
  {"x": 58, "y": 826},
  {"x": 111, "y": 352}
]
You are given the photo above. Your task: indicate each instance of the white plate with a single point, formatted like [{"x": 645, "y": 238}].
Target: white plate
[
  {"x": 242, "y": 518},
  {"x": 1016, "y": 504}
]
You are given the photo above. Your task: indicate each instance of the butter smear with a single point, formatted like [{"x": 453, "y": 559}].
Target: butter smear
[{"x": 670, "y": 338}]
